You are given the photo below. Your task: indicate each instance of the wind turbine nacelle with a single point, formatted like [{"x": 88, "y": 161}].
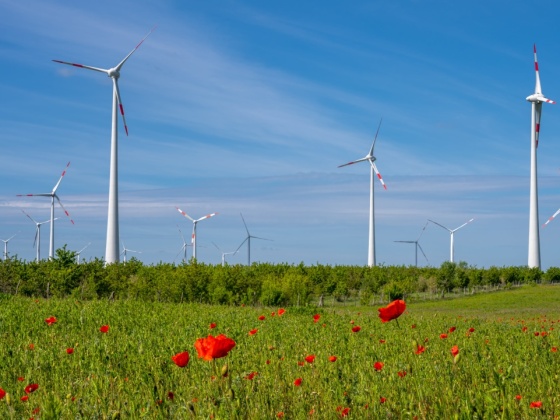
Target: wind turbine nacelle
[
  {"x": 113, "y": 73},
  {"x": 536, "y": 97}
]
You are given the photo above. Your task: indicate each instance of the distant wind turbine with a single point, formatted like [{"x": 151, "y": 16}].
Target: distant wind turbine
[
  {"x": 125, "y": 250},
  {"x": 536, "y": 100},
  {"x": 112, "y": 246},
  {"x": 6, "y": 246},
  {"x": 37, "y": 240},
  {"x": 225, "y": 253},
  {"x": 193, "y": 237},
  {"x": 371, "y": 159},
  {"x": 248, "y": 240},
  {"x": 417, "y": 245},
  {"x": 79, "y": 252},
  {"x": 183, "y": 248},
  {"x": 53, "y": 195},
  {"x": 451, "y": 231}
]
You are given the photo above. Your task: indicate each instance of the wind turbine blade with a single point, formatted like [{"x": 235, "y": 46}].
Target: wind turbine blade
[
  {"x": 447, "y": 229},
  {"x": 36, "y": 234},
  {"x": 421, "y": 233},
  {"x": 354, "y": 161},
  {"x": 60, "y": 179},
  {"x": 264, "y": 239},
  {"x": 246, "y": 228},
  {"x": 118, "y": 67},
  {"x": 406, "y": 242},
  {"x": 181, "y": 233},
  {"x": 422, "y": 252},
  {"x": 65, "y": 211},
  {"x": 464, "y": 224},
  {"x": 82, "y": 66},
  {"x": 378, "y": 174},
  {"x": 538, "y": 80},
  {"x": 375, "y": 138},
  {"x": 119, "y": 101},
  {"x": 551, "y": 217},
  {"x": 184, "y": 214},
  {"x": 206, "y": 217},
  {"x": 241, "y": 244},
  {"x": 30, "y": 218},
  {"x": 217, "y": 247},
  {"x": 538, "y": 111}
]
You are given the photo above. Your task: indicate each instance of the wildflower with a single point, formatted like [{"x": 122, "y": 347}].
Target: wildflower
[
  {"x": 280, "y": 414},
  {"x": 281, "y": 311},
  {"x": 251, "y": 375},
  {"x": 420, "y": 349},
  {"x": 181, "y": 359},
  {"x": 21, "y": 378},
  {"x": 36, "y": 410},
  {"x": 471, "y": 329},
  {"x": 300, "y": 363},
  {"x": 273, "y": 314},
  {"x": 392, "y": 311},
  {"x": 104, "y": 329},
  {"x": 310, "y": 358},
  {"x": 382, "y": 400},
  {"x": 24, "y": 398},
  {"x": 332, "y": 359},
  {"x": 344, "y": 412},
  {"x": 253, "y": 332},
  {"x": 31, "y": 346},
  {"x": 378, "y": 366},
  {"x": 536, "y": 333},
  {"x": 170, "y": 395},
  {"x": 298, "y": 381},
  {"x": 518, "y": 397},
  {"x": 554, "y": 349},
  {"x": 31, "y": 388},
  {"x": 524, "y": 329},
  {"x": 51, "y": 320},
  {"x": 443, "y": 336},
  {"x": 262, "y": 318},
  {"x": 2, "y": 393},
  {"x": 69, "y": 350},
  {"x": 455, "y": 350},
  {"x": 402, "y": 373},
  {"x": 452, "y": 329},
  {"x": 316, "y": 318},
  {"x": 267, "y": 361},
  {"x": 536, "y": 404},
  {"x": 213, "y": 347},
  {"x": 413, "y": 326},
  {"x": 382, "y": 341},
  {"x": 356, "y": 328},
  {"x": 212, "y": 325}
]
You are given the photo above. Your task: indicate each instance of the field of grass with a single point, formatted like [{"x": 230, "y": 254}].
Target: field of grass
[{"x": 507, "y": 364}]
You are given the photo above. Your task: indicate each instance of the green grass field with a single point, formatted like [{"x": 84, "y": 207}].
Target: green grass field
[{"x": 503, "y": 369}]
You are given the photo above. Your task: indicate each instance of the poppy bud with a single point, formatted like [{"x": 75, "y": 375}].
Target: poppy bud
[
  {"x": 8, "y": 399},
  {"x": 414, "y": 344},
  {"x": 230, "y": 394},
  {"x": 456, "y": 358},
  {"x": 225, "y": 370}
]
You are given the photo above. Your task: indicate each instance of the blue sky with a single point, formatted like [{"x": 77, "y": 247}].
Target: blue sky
[{"x": 249, "y": 107}]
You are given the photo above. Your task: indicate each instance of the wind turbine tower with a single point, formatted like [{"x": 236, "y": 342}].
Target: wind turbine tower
[
  {"x": 536, "y": 100},
  {"x": 112, "y": 245},
  {"x": 373, "y": 170},
  {"x": 6, "y": 246},
  {"x": 417, "y": 245},
  {"x": 248, "y": 240},
  {"x": 195, "y": 222},
  {"x": 37, "y": 241},
  {"x": 451, "y": 232}
]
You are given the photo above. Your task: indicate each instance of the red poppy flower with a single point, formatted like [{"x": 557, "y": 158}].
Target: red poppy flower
[
  {"x": 31, "y": 388},
  {"x": 253, "y": 332},
  {"x": 316, "y": 318},
  {"x": 420, "y": 349},
  {"x": 281, "y": 311},
  {"x": 524, "y": 329},
  {"x": 2, "y": 393},
  {"x": 213, "y": 347},
  {"x": 21, "y": 378},
  {"x": 332, "y": 359},
  {"x": 402, "y": 373},
  {"x": 212, "y": 325},
  {"x": 36, "y": 410},
  {"x": 31, "y": 346},
  {"x": 310, "y": 358},
  {"x": 104, "y": 329},
  {"x": 24, "y": 398},
  {"x": 51, "y": 320},
  {"x": 267, "y": 361},
  {"x": 273, "y": 314},
  {"x": 554, "y": 349},
  {"x": 280, "y": 414},
  {"x": 297, "y": 382},
  {"x": 455, "y": 350},
  {"x": 536, "y": 404},
  {"x": 300, "y": 363},
  {"x": 251, "y": 375},
  {"x": 518, "y": 397},
  {"x": 356, "y": 328},
  {"x": 378, "y": 366},
  {"x": 69, "y": 350},
  {"x": 181, "y": 359},
  {"x": 382, "y": 341},
  {"x": 443, "y": 336},
  {"x": 170, "y": 395},
  {"x": 382, "y": 400},
  {"x": 413, "y": 326},
  {"x": 262, "y": 318},
  {"x": 471, "y": 329},
  {"x": 344, "y": 412},
  {"x": 452, "y": 329},
  {"x": 392, "y": 311}
]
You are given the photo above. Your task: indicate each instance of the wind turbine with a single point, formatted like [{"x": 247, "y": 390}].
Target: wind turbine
[
  {"x": 52, "y": 195},
  {"x": 112, "y": 245},
  {"x": 248, "y": 240},
  {"x": 79, "y": 252},
  {"x": 536, "y": 100},
  {"x": 551, "y": 218},
  {"x": 184, "y": 247},
  {"x": 125, "y": 250},
  {"x": 452, "y": 231},
  {"x": 6, "y": 246},
  {"x": 225, "y": 253},
  {"x": 193, "y": 237},
  {"x": 37, "y": 240},
  {"x": 371, "y": 159},
  {"x": 417, "y": 245}
]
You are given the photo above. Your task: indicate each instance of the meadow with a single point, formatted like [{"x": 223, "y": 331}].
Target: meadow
[{"x": 483, "y": 356}]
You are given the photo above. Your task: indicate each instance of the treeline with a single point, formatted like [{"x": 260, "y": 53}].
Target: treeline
[{"x": 261, "y": 283}]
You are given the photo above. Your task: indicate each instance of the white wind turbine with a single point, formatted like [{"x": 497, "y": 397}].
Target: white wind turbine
[
  {"x": 195, "y": 222},
  {"x": 125, "y": 250},
  {"x": 183, "y": 248},
  {"x": 6, "y": 246},
  {"x": 225, "y": 253},
  {"x": 452, "y": 232},
  {"x": 112, "y": 245},
  {"x": 53, "y": 195},
  {"x": 79, "y": 252},
  {"x": 37, "y": 241},
  {"x": 248, "y": 240},
  {"x": 371, "y": 159},
  {"x": 536, "y": 100},
  {"x": 417, "y": 245}
]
